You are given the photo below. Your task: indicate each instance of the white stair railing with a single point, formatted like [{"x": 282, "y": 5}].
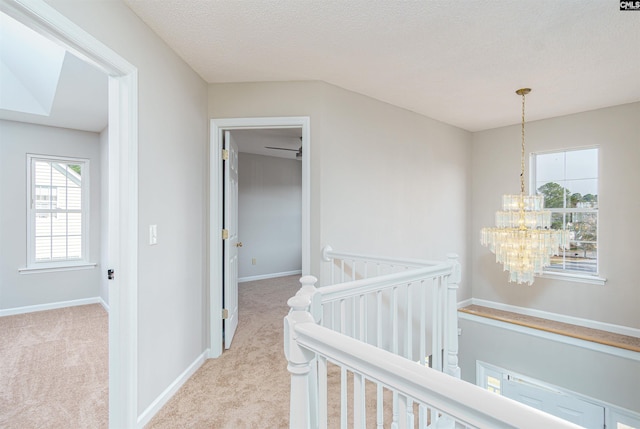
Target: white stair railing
[
  {"x": 376, "y": 319},
  {"x": 306, "y": 343},
  {"x": 394, "y": 304}
]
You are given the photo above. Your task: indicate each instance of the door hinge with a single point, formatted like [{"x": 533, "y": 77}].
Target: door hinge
[
  {"x": 225, "y": 314},
  {"x": 225, "y": 234},
  {"x": 110, "y": 274},
  {"x": 225, "y": 154}
]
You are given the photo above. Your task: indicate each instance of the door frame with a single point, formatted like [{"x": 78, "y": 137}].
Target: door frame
[
  {"x": 123, "y": 195},
  {"x": 216, "y": 204}
]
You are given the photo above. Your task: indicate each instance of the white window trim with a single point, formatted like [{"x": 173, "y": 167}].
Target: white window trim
[
  {"x": 562, "y": 274},
  {"x": 573, "y": 277},
  {"x": 49, "y": 267},
  {"x": 61, "y": 265}
]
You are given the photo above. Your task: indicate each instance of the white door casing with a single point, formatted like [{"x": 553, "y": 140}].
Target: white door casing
[
  {"x": 230, "y": 295},
  {"x": 123, "y": 196},
  {"x": 218, "y": 128}
]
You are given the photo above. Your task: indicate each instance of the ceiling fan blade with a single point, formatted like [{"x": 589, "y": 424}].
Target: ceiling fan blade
[{"x": 281, "y": 148}]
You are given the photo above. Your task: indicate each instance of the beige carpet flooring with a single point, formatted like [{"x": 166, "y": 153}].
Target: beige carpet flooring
[
  {"x": 54, "y": 369},
  {"x": 248, "y": 386}
]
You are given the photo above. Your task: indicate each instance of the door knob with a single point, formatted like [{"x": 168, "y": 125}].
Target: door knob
[{"x": 239, "y": 244}]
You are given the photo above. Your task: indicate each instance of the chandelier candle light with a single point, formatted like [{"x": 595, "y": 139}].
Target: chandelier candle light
[{"x": 522, "y": 239}]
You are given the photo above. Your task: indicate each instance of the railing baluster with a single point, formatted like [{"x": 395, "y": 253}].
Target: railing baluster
[
  {"x": 435, "y": 322},
  {"x": 342, "y": 270},
  {"x": 395, "y": 414},
  {"x": 332, "y": 319},
  {"x": 400, "y": 421},
  {"x": 343, "y": 317},
  {"x": 333, "y": 271},
  {"x": 359, "y": 409},
  {"x": 423, "y": 323},
  {"x": 394, "y": 348},
  {"x": 379, "y": 318},
  {"x": 343, "y": 398},
  {"x": 411, "y": 419},
  {"x": 408, "y": 340},
  {"x": 379, "y": 391},
  {"x": 380, "y": 407},
  {"x": 422, "y": 411},
  {"x": 394, "y": 320},
  {"x": 354, "y": 332},
  {"x": 364, "y": 318},
  {"x": 322, "y": 392}
]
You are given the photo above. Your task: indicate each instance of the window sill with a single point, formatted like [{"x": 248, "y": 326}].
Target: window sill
[
  {"x": 580, "y": 278},
  {"x": 53, "y": 267}
]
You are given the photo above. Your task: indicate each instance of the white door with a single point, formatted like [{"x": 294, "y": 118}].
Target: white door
[
  {"x": 231, "y": 244},
  {"x": 566, "y": 407}
]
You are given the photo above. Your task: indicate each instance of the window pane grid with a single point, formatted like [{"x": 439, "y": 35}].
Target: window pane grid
[
  {"x": 57, "y": 210},
  {"x": 569, "y": 182}
]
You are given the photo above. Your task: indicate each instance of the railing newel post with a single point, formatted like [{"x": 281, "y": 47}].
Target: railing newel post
[
  {"x": 451, "y": 367},
  {"x": 309, "y": 289},
  {"x": 302, "y": 412}
]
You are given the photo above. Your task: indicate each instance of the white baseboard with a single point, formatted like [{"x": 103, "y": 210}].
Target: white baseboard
[
  {"x": 168, "y": 393},
  {"x": 269, "y": 276},
  {"x": 465, "y": 303},
  {"x": 593, "y": 324},
  {"x": 50, "y": 306},
  {"x": 104, "y": 305}
]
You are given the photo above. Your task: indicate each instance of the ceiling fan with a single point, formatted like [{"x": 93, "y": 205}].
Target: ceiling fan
[{"x": 297, "y": 151}]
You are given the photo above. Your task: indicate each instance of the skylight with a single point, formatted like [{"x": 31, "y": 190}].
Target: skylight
[{"x": 30, "y": 67}]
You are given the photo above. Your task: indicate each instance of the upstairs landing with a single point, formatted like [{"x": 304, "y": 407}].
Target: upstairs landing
[{"x": 566, "y": 329}]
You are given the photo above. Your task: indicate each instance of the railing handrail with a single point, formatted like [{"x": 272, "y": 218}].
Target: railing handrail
[
  {"x": 357, "y": 287},
  {"x": 465, "y": 402},
  {"x": 328, "y": 253}
]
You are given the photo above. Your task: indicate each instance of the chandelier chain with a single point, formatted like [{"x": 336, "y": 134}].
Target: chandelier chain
[{"x": 522, "y": 152}]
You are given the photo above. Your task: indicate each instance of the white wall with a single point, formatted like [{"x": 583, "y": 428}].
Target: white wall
[
  {"x": 384, "y": 180},
  {"x": 393, "y": 182},
  {"x": 496, "y": 167},
  {"x": 592, "y": 373},
  {"x": 270, "y": 213},
  {"x": 172, "y": 178},
  {"x": 16, "y": 141},
  {"x": 104, "y": 204}
]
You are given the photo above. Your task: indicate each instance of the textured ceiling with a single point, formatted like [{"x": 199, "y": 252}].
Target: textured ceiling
[{"x": 455, "y": 61}]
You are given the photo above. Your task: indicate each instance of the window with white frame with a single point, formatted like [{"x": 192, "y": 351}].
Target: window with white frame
[
  {"x": 568, "y": 179},
  {"x": 58, "y": 204}
]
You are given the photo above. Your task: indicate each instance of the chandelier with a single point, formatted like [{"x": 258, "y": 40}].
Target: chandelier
[{"x": 522, "y": 239}]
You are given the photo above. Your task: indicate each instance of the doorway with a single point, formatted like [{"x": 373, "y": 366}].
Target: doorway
[
  {"x": 122, "y": 195},
  {"x": 218, "y": 128}
]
